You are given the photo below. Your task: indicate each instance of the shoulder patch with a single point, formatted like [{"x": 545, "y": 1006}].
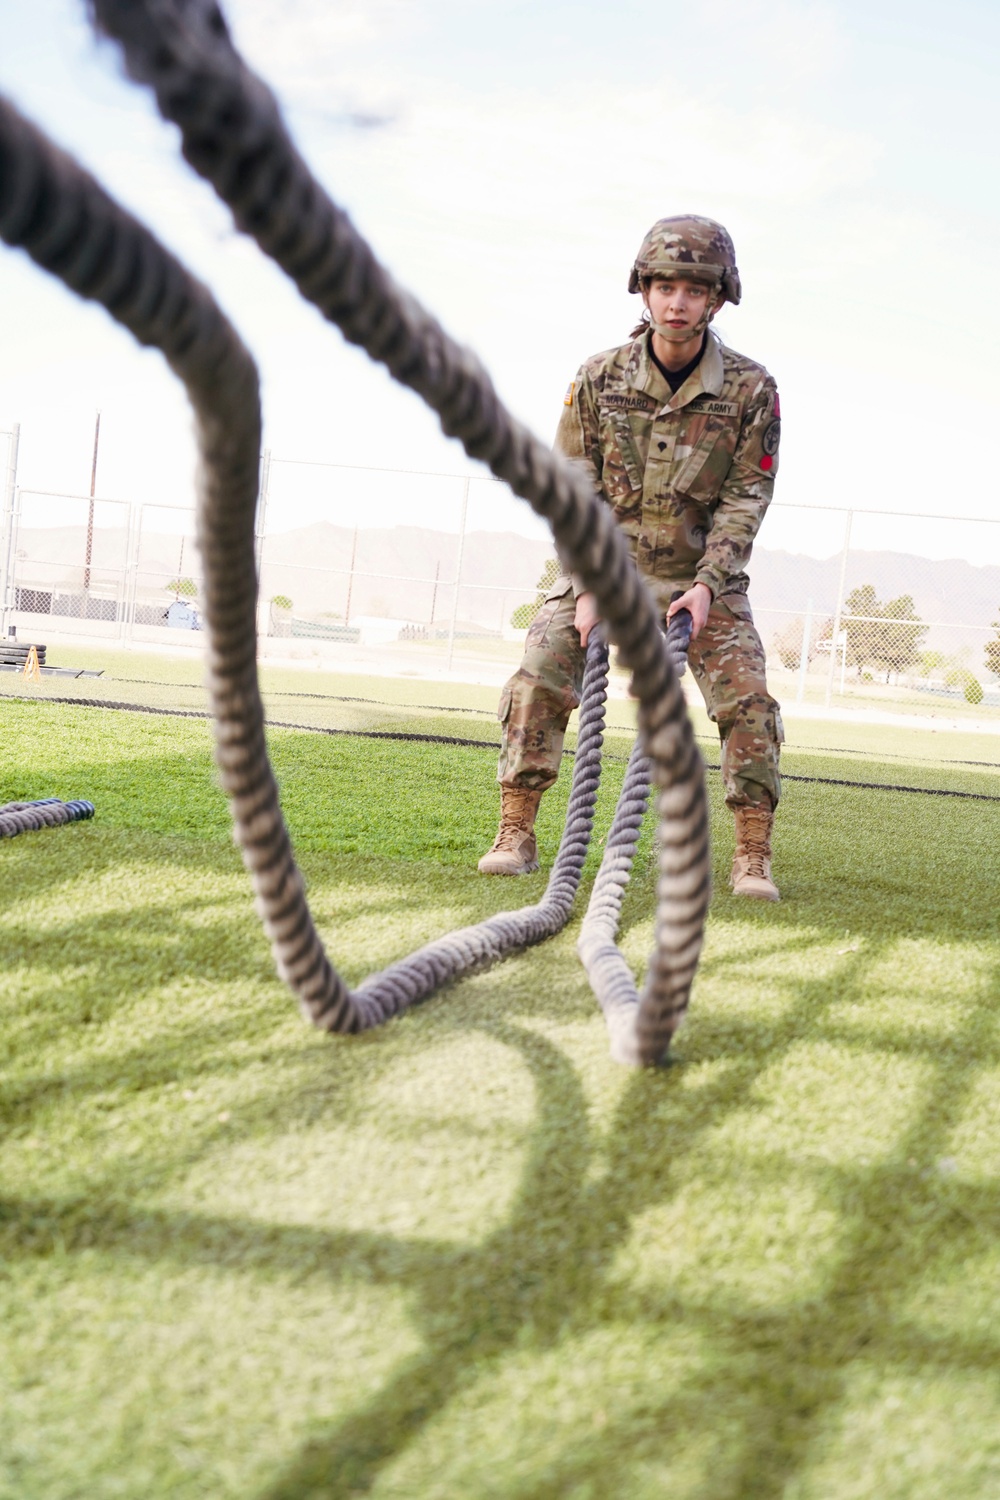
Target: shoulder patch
[{"x": 568, "y": 398}]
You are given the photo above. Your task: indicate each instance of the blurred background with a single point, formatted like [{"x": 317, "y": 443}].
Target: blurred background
[{"x": 505, "y": 163}]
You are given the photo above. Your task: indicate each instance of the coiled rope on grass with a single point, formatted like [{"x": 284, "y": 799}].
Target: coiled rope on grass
[
  {"x": 46, "y": 812},
  {"x": 232, "y": 133}
]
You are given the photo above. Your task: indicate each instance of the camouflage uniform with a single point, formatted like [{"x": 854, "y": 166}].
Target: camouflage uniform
[{"x": 689, "y": 476}]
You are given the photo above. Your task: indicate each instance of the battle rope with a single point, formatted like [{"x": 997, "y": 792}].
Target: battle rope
[
  {"x": 471, "y": 948},
  {"x": 232, "y": 133},
  {"x": 47, "y": 812},
  {"x": 607, "y": 969}
]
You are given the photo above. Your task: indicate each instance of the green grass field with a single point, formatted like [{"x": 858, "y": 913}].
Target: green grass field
[{"x": 466, "y": 1256}]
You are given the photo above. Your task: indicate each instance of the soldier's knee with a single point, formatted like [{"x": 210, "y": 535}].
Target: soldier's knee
[
  {"x": 526, "y": 700},
  {"x": 755, "y": 714},
  {"x": 751, "y": 752},
  {"x": 532, "y": 732}
]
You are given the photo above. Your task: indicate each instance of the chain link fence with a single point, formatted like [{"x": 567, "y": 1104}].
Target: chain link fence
[{"x": 849, "y": 616}]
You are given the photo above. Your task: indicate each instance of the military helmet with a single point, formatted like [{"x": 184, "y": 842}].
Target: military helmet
[{"x": 688, "y": 245}]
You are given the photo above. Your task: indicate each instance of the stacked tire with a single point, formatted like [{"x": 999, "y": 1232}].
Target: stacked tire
[{"x": 15, "y": 654}]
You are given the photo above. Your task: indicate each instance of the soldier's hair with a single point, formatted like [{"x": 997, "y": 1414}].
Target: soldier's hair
[{"x": 642, "y": 326}]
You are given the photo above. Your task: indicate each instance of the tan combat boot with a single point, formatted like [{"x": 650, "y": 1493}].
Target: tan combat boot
[
  {"x": 752, "y": 863},
  {"x": 514, "y": 852}
]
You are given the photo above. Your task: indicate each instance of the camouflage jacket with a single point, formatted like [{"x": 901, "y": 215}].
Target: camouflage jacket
[{"x": 689, "y": 475}]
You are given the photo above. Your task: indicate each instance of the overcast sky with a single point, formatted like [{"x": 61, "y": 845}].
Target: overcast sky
[{"x": 506, "y": 160}]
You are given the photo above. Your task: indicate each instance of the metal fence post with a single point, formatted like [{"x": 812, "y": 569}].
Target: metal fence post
[
  {"x": 89, "y": 549},
  {"x": 263, "y": 605},
  {"x": 843, "y": 665},
  {"x": 265, "y": 480},
  {"x": 350, "y": 576},
  {"x": 804, "y": 654},
  {"x": 131, "y": 571},
  {"x": 10, "y": 484},
  {"x": 458, "y": 572},
  {"x": 839, "y": 609}
]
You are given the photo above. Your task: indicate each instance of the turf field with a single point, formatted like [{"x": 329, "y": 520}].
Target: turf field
[{"x": 467, "y": 1256}]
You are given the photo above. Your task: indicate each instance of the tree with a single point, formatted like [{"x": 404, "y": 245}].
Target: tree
[
  {"x": 185, "y": 588},
  {"x": 886, "y": 636},
  {"x": 525, "y": 613},
  {"x": 280, "y": 601},
  {"x": 787, "y": 644},
  {"x": 898, "y": 645},
  {"x": 993, "y": 650},
  {"x": 959, "y": 676},
  {"x": 859, "y": 608}
]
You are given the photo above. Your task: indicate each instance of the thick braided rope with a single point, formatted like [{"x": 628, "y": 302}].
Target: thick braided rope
[
  {"x": 68, "y": 224},
  {"x": 472, "y": 948},
  {"x": 47, "y": 812},
  {"x": 607, "y": 968},
  {"x": 232, "y": 133}
]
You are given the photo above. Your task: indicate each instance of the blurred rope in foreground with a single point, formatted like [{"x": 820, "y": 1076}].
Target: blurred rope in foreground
[{"x": 233, "y": 135}]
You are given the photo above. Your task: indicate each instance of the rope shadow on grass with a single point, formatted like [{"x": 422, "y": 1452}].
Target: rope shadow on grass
[
  {"x": 838, "y": 881},
  {"x": 480, "y": 1304},
  {"x": 545, "y": 1274},
  {"x": 786, "y": 1372},
  {"x": 158, "y": 930},
  {"x": 901, "y": 1215}
]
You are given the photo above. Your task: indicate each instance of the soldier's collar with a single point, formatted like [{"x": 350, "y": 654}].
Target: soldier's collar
[
  {"x": 641, "y": 372},
  {"x": 707, "y": 379}
]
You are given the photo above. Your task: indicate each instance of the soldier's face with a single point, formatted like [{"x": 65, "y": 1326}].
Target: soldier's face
[{"x": 677, "y": 303}]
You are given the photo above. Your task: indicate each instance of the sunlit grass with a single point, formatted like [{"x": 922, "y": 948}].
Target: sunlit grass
[{"x": 466, "y": 1256}]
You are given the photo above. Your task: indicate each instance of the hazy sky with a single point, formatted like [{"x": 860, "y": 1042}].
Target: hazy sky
[{"x": 505, "y": 160}]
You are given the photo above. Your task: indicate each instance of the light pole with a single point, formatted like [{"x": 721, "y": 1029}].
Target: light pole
[
  {"x": 458, "y": 572},
  {"x": 90, "y": 516},
  {"x": 839, "y": 610},
  {"x": 350, "y": 577},
  {"x": 9, "y": 526}
]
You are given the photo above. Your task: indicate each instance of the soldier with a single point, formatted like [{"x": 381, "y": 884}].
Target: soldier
[{"x": 680, "y": 435}]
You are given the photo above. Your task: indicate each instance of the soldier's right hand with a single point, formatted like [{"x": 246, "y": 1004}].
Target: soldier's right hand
[
  {"x": 697, "y": 601},
  {"x": 586, "y": 616}
]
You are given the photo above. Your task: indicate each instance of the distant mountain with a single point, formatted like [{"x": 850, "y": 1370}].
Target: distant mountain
[
  {"x": 404, "y": 571},
  {"x": 394, "y": 572},
  {"x": 950, "y": 590}
]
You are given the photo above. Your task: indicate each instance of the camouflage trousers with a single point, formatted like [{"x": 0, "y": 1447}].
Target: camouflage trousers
[{"x": 727, "y": 661}]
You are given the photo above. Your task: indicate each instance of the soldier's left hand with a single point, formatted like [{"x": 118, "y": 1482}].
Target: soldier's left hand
[
  {"x": 697, "y": 601},
  {"x": 586, "y": 616}
]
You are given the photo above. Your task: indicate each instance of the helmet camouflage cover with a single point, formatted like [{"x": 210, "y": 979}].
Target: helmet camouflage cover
[{"x": 688, "y": 245}]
